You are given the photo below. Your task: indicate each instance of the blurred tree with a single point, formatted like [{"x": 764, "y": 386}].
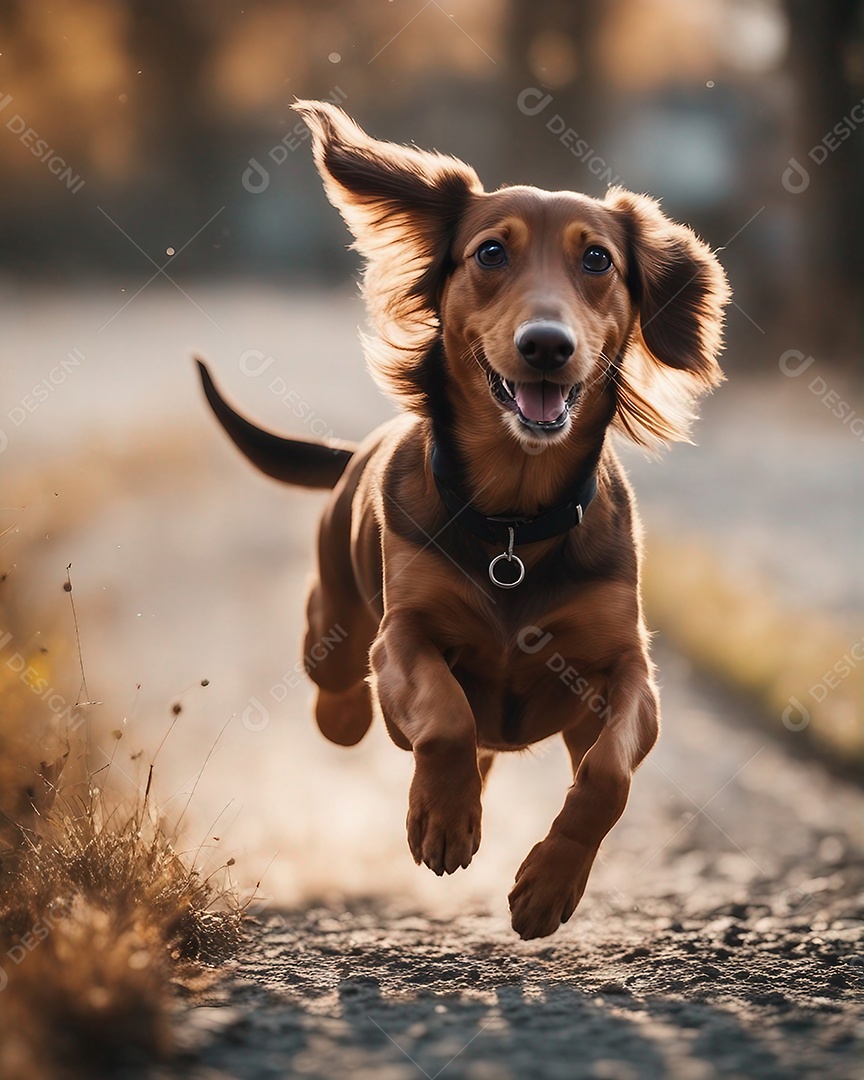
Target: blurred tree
[
  {"x": 169, "y": 44},
  {"x": 10, "y": 16},
  {"x": 160, "y": 104},
  {"x": 825, "y": 57},
  {"x": 552, "y": 47}
]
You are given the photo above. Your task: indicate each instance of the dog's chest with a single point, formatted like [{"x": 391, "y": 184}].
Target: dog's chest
[
  {"x": 518, "y": 697},
  {"x": 532, "y": 675}
]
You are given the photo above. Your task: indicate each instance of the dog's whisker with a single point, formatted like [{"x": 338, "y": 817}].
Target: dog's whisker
[{"x": 472, "y": 349}]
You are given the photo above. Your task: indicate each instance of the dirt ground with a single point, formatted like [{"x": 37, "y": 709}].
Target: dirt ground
[{"x": 721, "y": 933}]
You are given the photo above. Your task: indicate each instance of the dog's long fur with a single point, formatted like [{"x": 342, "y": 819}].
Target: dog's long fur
[{"x": 460, "y": 673}]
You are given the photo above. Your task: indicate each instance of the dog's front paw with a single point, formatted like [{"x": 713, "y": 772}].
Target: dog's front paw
[
  {"x": 549, "y": 885},
  {"x": 443, "y": 835}
]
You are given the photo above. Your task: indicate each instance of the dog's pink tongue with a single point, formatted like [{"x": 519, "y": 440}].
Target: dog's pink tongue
[{"x": 541, "y": 401}]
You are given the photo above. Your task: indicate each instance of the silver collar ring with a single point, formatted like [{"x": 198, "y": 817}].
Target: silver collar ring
[{"x": 510, "y": 558}]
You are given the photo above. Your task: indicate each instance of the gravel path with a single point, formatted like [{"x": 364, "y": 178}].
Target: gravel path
[{"x": 726, "y": 943}]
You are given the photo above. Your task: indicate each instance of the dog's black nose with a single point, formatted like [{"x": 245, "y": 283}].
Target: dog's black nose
[{"x": 545, "y": 344}]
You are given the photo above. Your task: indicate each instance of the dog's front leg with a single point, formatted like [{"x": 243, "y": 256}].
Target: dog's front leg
[
  {"x": 551, "y": 880},
  {"x": 422, "y": 701}
]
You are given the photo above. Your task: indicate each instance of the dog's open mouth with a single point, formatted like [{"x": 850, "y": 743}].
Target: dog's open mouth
[{"x": 540, "y": 405}]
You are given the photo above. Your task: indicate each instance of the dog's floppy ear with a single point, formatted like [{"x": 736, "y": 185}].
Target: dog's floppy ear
[
  {"x": 403, "y": 206},
  {"x": 679, "y": 291}
]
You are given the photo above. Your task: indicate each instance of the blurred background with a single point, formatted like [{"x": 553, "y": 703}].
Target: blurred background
[
  {"x": 164, "y": 114},
  {"x": 159, "y": 196}
]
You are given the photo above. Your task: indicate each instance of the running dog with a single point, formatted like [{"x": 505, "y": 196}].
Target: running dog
[{"x": 482, "y": 550}]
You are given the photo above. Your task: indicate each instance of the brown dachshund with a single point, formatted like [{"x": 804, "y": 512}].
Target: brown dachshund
[{"x": 482, "y": 550}]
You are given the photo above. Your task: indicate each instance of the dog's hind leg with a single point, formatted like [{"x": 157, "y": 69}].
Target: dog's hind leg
[
  {"x": 336, "y": 656},
  {"x": 344, "y": 716}
]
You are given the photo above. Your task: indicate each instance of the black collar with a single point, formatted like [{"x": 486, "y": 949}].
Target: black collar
[{"x": 496, "y": 529}]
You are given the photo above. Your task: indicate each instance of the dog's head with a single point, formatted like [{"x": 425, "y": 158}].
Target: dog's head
[{"x": 543, "y": 298}]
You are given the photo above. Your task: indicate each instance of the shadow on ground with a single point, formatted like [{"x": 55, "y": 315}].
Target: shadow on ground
[{"x": 369, "y": 992}]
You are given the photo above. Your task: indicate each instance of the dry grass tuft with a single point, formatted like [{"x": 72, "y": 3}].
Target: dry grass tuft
[{"x": 98, "y": 912}]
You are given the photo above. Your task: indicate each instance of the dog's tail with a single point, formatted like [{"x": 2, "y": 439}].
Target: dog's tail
[{"x": 293, "y": 461}]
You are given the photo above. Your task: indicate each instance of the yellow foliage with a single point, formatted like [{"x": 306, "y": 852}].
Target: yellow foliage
[{"x": 738, "y": 631}]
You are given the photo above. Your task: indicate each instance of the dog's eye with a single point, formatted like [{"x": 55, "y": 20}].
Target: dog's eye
[
  {"x": 491, "y": 254},
  {"x": 596, "y": 259}
]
